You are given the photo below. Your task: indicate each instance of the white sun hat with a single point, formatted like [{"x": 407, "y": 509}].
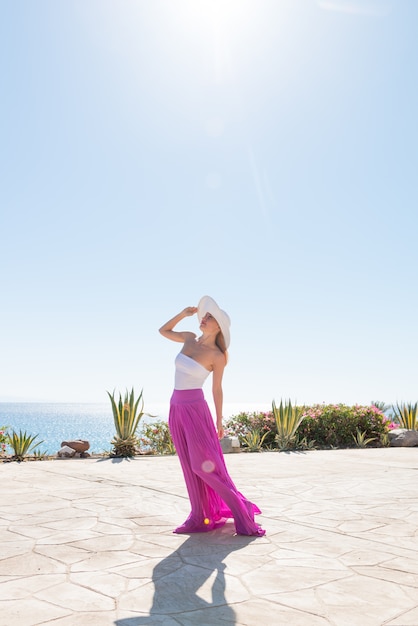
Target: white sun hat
[{"x": 208, "y": 305}]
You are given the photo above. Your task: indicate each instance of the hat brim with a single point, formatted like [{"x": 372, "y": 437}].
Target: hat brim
[{"x": 208, "y": 305}]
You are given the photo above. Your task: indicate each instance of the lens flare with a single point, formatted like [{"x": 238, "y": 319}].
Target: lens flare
[{"x": 208, "y": 466}]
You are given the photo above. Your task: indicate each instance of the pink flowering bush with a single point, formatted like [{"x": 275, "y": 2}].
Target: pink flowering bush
[
  {"x": 243, "y": 424},
  {"x": 3, "y": 440},
  {"x": 155, "y": 438},
  {"x": 335, "y": 425},
  {"x": 324, "y": 426}
]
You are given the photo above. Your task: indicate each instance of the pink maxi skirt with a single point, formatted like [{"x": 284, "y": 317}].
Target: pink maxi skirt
[{"x": 213, "y": 495}]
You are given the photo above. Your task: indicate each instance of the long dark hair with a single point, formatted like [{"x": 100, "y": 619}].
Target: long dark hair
[{"x": 220, "y": 342}]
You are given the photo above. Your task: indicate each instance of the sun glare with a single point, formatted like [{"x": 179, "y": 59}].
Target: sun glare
[
  {"x": 219, "y": 13},
  {"x": 219, "y": 25},
  {"x": 215, "y": 12},
  {"x": 188, "y": 42}
]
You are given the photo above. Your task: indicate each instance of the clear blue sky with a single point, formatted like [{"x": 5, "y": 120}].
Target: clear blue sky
[{"x": 263, "y": 152}]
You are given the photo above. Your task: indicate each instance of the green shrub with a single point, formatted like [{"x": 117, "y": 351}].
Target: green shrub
[
  {"x": 336, "y": 425},
  {"x": 323, "y": 426},
  {"x": 3, "y": 440},
  {"x": 244, "y": 424},
  {"x": 155, "y": 438}
]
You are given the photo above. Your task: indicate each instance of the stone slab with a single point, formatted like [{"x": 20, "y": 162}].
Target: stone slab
[{"x": 90, "y": 542}]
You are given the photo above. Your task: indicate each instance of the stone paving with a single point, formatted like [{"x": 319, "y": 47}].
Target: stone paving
[{"x": 89, "y": 542}]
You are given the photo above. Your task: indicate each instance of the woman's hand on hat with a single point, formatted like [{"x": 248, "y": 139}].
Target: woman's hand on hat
[{"x": 189, "y": 310}]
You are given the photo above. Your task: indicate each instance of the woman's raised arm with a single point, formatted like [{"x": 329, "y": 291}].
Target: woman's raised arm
[{"x": 167, "y": 329}]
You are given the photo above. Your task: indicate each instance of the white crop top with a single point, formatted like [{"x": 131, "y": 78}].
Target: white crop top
[{"x": 189, "y": 373}]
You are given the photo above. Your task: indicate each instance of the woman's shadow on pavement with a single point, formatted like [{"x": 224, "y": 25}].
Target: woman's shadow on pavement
[{"x": 179, "y": 577}]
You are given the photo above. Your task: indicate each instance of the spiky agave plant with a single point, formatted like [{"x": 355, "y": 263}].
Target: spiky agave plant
[
  {"x": 21, "y": 443},
  {"x": 253, "y": 440},
  {"x": 407, "y": 414},
  {"x": 287, "y": 418},
  {"x": 126, "y": 415},
  {"x": 361, "y": 440}
]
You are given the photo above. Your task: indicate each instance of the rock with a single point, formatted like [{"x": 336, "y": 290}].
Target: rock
[
  {"x": 230, "y": 444},
  {"x": 66, "y": 452},
  {"x": 79, "y": 445},
  {"x": 402, "y": 437}
]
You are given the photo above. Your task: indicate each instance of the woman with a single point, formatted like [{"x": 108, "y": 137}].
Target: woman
[{"x": 213, "y": 495}]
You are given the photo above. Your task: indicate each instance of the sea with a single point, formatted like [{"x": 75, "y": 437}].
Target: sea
[{"x": 57, "y": 422}]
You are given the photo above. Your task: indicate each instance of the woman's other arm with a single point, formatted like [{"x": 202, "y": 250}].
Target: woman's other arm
[{"x": 218, "y": 370}]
